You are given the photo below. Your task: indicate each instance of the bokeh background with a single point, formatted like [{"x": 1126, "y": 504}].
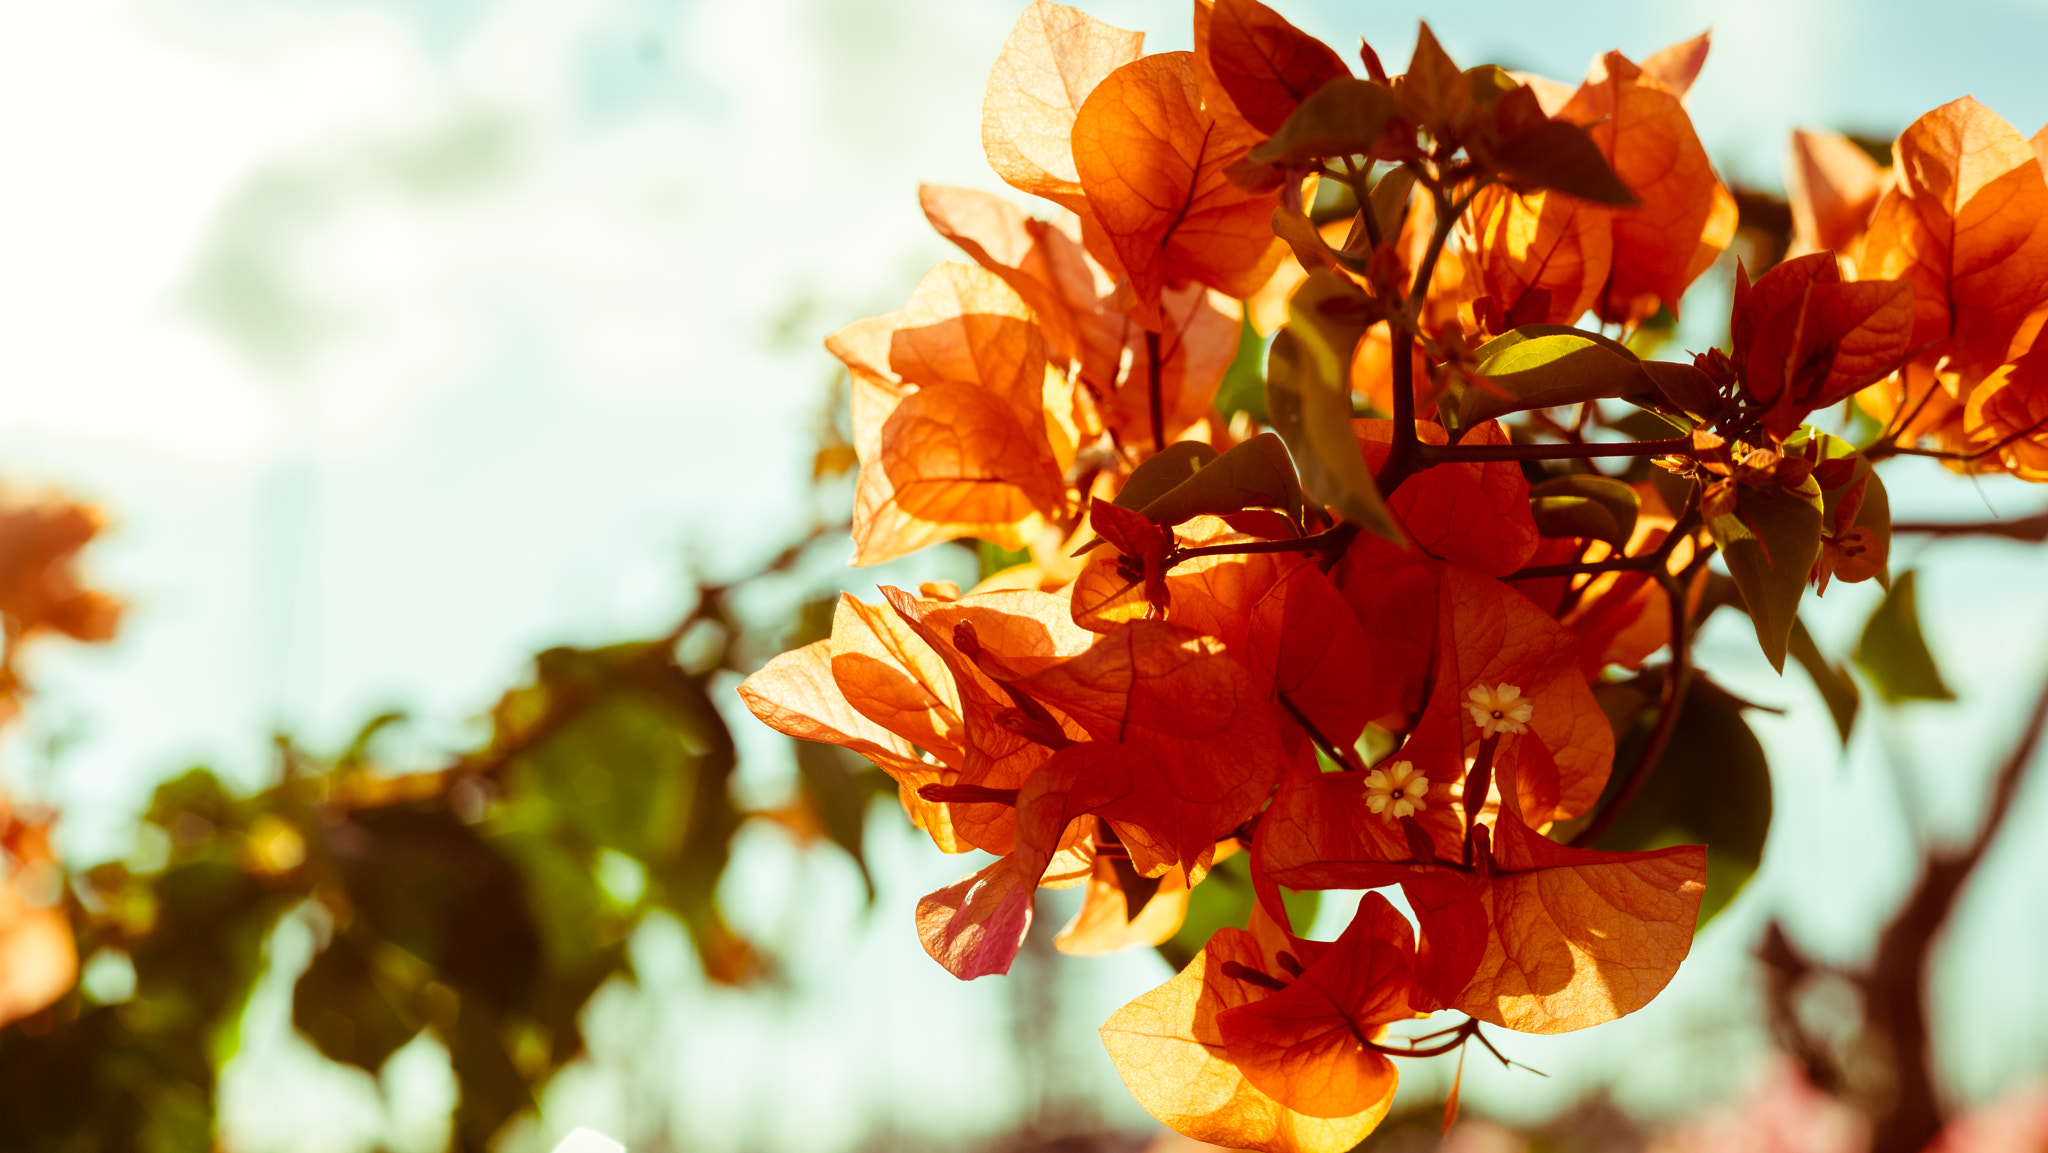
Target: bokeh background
[{"x": 404, "y": 338}]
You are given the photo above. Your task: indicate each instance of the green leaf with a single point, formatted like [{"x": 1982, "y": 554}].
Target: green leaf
[
  {"x": 1683, "y": 387},
  {"x": 1225, "y": 899},
  {"x": 351, "y": 1012},
  {"x": 990, "y": 560},
  {"x": 1308, "y": 394},
  {"x": 1894, "y": 653},
  {"x": 1489, "y": 82},
  {"x": 839, "y": 786},
  {"x": 1244, "y": 382},
  {"x": 1254, "y": 474},
  {"x": 1560, "y": 156},
  {"x": 1586, "y": 506},
  {"x": 1342, "y": 118},
  {"x": 1542, "y": 366},
  {"x": 1875, "y": 513},
  {"x": 1770, "y": 543},
  {"x": 1308, "y": 245},
  {"x": 1163, "y": 473},
  {"x": 1389, "y": 199},
  {"x": 1711, "y": 787},
  {"x": 1837, "y": 688},
  {"x": 430, "y": 885},
  {"x": 490, "y": 1088}
]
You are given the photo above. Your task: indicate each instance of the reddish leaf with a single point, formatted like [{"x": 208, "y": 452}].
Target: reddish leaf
[
  {"x": 1309, "y": 653},
  {"x": 1541, "y": 242},
  {"x": 1045, "y": 265},
  {"x": 1169, "y": 1051},
  {"x": 949, "y": 418},
  {"x": 1151, "y": 160},
  {"x": 1305, "y": 1046},
  {"x": 889, "y": 675},
  {"x": 1678, "y": 66},
  {"x": 1805, "y": 340},
  {"x": 1177, "y": 695},
  {"x": 1834, "y": 187},
  {"x": 975, "y": 926},
  {"x": 1684, "y": 216},
  {"x": 797, "y": 694},
  {"x": 1013, "y": 633},
  {"x": 1197, "y": 344},
  {"x": 38, "y": 957},
  {"x": 2008, "y": 412},
  {"x": 1054, "y": 58},
  {"x": 1967, "y": 226},
  {"x": 1266, "y": 65},
  {"x": 1572, "y": 937}
]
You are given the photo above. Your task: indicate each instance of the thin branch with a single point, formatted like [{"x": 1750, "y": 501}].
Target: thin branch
[
  {"x": 1648, "y": 562},
  {"x": 1676, "y": 682},
  {"x": 1329, "y": 747},
  {"x": 2033, "y": 528},
  {"x": 1333, "y": 540},
  {"x": 1153, "y": 385},
  {"x": 1895, "y": 987},
  {"x": 1401, "y": 453},
  {"x": 1444, "y": 453}
]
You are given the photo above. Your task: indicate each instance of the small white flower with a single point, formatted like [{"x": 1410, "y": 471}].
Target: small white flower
[
  {"x": 1396, "y": 791},
  {"x": 1500, "y": 709}
]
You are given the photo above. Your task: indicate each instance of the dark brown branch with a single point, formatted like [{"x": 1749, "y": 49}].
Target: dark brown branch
[
  {"x": 967, "y": 795},
  {"x": 1446, "y": 453},
  {"x": 1677, "y": 680},
  {"x": 1154, "y": 385},
  {"x": 1648, "y": 562},
  {"x": 2033, "y": 529},
  {"x": 1895, "y": 987},
  {"x": 1334, "y": 540},
  {"x": 1401, "y": 454},
  {"x": 1322, "y": 742}
]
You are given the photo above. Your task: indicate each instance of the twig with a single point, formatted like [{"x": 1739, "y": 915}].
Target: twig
[
  {"x": 1401, "y": 453},
  {"x": 1447, "y": 453},
  {"x": 1676, "y": 682},
  {"x": 1895, "y": 987},
  {"x": 1153, "y": 385},
  {"x": 2033, "y": 529}
]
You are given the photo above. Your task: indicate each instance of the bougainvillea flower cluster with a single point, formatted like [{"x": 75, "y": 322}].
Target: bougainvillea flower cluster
[{"x": 1359, "y": 631}]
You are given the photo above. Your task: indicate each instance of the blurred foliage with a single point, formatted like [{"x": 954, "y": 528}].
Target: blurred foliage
[{"x": 483, "y": 902}]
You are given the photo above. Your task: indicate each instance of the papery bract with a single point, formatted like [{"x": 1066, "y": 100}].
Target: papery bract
[
  {"x": 1265, "y": 66},
  {"x": 1684, "y": 215},
  {"x": 38, "y": 955},
  {"x": 1805, "y": 340},
  {"x": 1170, "y": 1052},
  {"x": 1833, "y": 186},
  {"x": 1307, "y": 1045},
  {"x": 949, "y": 421},
  {"x": 1214, "y": 749},
  {"x": 1054, "y": 57},
  {"x": 1967, "y": 226},
  {"x": 1151, "y": 160}
]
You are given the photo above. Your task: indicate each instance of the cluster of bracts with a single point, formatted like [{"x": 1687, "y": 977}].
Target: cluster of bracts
[{"x": 1363, "y": 650}]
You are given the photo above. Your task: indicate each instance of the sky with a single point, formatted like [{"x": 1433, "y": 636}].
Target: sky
[{"x": 403, "y": 339}]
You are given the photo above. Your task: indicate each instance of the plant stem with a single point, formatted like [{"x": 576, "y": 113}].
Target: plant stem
[
  {"x": 1645, "y": 563},
  {"x": 1323, "y": 542},
  {"x": 2032, "y": 528},
  {"x": 1446, "y": 453},
  {"x": 1677, "y": 681},
  {"x": 1401, "y": 454},
  {"x": 1153, "y": 385}
]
